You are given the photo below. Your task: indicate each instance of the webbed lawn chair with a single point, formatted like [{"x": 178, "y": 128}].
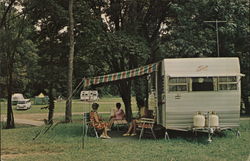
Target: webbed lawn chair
[{"x": 146, "y": 125}]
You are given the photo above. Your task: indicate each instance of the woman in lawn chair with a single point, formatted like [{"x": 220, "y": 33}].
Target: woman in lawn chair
[
  {"x": 144, "y": 113},
  {"x": 118, "y": 115},
  {"x": 97, "y": 122}
]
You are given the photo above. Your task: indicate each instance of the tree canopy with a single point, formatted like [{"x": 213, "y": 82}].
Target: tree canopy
[{"x": 112, "y": 36}]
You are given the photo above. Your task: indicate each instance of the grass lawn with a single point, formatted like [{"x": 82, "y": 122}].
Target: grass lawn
[
  {"x": 64, "y": 143},
  {"x": 106, "y": 104}
]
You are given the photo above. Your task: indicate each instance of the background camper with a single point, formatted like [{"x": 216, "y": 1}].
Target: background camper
[
  {"x": 16, "y": 97},
  {"x": 89, "y": 95}
]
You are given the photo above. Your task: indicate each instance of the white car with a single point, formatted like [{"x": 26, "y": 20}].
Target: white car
[{"x": 23, "y": 104}]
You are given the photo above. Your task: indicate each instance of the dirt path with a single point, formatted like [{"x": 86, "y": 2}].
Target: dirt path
[
  {"x": 29, "y": 119},
  {"x": 35, "y": 119}
]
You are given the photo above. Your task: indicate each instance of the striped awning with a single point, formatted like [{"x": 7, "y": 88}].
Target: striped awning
[{"x": 120, "y": 75}]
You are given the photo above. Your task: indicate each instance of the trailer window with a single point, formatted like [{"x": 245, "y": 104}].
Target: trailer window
[
  {"x": 227, "y": 83},
  {"x": 202, "y": 84},
  {"x": 178, "y": 84}
]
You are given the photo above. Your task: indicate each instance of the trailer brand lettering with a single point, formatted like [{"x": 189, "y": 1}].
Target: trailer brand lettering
[{"x": 202, "y": 68}]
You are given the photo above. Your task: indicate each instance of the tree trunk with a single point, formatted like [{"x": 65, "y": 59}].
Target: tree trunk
[
  {"x": 247, "y": 105},
  {"x": 125, "y": 91},
  {"x": 51, "y": 106},
  {"x": 68, "y": 112},
  {"x": 10, "y": 116},
  {"x": 140, "y": 91},
  {"x": 244, "y": 93}
]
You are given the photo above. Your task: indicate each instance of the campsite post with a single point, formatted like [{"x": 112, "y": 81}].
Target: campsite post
[{"x": 217, "y": 33}]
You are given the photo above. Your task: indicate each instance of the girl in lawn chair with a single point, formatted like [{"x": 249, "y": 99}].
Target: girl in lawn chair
[
  {"x": 118, "y": 114},
  {"x": 144, "y": 113},
  {"x": 97, "y": 122}
]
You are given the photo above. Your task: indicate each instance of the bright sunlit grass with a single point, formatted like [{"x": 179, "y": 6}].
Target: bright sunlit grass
[{"x": 106, "y": 104}]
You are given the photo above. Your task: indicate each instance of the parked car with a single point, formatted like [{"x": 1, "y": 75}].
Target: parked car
[{"x": 23, "y": 104}]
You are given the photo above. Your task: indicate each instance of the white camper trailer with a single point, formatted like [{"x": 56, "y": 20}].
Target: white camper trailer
[
  {"x": 186, "y": 86},
  {"x": 16, "y": 97},
  {"x": 89, "y": 96}
]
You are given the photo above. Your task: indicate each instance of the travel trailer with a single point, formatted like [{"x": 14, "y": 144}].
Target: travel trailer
[
  {"x": 16, "y": 97},
  {"x": 187, "y": 86},
  {"x": 190, "y": 93}
]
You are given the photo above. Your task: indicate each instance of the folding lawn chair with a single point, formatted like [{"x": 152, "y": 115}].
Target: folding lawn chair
[
  {"x": 146, "y": 125},
  {"x": 89, "y": 125},
  {"x": 120, "y": 123},
  {"x": 91, "y": 129}
]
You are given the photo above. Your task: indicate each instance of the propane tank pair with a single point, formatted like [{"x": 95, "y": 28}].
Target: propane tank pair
[{"x": 211, "y": 120}]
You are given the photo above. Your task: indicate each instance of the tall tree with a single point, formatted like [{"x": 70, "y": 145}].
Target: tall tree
[
  {"x": 16, "y": 48},
  {"x": 117, "y": 52},
  {"x": 187, "y": 35},
  {"x": 50, "y": 19},
  {"x": 10, "y": 57},
  {"x": 120, "y": 22},
  {"x": 141, "y": 18},
  {"x": 68, "y": 112}
]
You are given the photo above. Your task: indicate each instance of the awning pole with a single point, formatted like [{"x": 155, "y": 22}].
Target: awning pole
[
  {"x": 83, "y": 126},
  {"x": 156, "y": 94}
]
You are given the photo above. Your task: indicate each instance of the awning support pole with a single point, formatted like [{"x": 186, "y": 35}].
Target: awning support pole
[{"x": 156, "y": 94}]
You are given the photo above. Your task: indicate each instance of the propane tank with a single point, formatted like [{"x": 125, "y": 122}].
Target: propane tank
[
  {"x": 199, "y": 120},
  {"x": 214, "y": 120}
]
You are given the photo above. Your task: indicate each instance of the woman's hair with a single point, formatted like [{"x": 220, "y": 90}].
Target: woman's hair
[
  {"x": 95, "y": 106},
  {"x": 118, "y": 105}
]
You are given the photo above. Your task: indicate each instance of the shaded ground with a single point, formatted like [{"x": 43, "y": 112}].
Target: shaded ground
[
  {"x": 35, "y": 119},
  {"x": 64, "y": 142}
]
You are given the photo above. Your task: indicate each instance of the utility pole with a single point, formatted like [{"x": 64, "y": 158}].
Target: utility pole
[{"x": 217, "y": 33}]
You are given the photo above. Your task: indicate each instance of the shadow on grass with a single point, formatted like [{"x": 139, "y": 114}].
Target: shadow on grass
[
  {"x": 189, "y": 136},
  {"x": 199, "y": 137},
  {"x": 64, "y": 130}
]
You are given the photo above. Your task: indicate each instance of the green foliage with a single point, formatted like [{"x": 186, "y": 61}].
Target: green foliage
[
  {"x": 116, "y": 35},
  {"x": 117, "y": 51},
  {"x": 18, "y": 52},
  {"x": 50, "y": 19},
  {"x": 187, "y": 35}
]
